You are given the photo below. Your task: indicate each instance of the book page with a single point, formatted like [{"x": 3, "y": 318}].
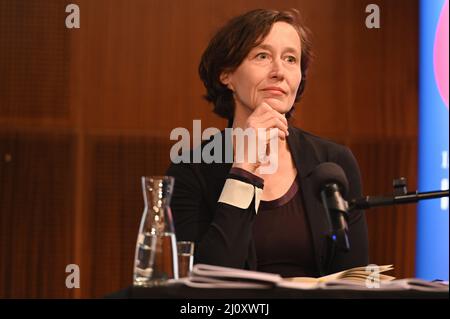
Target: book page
[
  {"x": 219, "y": 272},
  {"x": 357, "y": 274}
]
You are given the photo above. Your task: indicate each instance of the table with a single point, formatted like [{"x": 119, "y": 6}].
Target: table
[{"x": 180, "y": 291}]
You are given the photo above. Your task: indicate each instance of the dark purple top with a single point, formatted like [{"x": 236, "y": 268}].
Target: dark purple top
[{"x": 282, "y": 236}]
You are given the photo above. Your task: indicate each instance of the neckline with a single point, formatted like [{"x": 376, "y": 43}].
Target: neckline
[{"x": 284, "y": 199}]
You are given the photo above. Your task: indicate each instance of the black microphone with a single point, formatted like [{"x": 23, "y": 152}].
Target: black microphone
[{"x": 330, "y": 185}]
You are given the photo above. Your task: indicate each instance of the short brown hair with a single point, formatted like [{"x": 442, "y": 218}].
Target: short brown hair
[{"x": 231, "y": 45}]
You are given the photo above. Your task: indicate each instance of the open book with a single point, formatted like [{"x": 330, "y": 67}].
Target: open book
[
  {"x": 359, "y": 278},
  {"x": 209, "y": 276},
  {"x": 370, "y": 276}
]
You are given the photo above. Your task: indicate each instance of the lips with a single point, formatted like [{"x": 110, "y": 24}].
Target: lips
[{"x": 274, "y": 90}]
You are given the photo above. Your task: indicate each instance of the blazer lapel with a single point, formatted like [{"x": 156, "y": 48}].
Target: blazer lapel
[{"x": 306, "y": 159}]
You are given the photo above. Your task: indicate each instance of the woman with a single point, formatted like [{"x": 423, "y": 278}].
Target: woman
[{"x": 254, "y": 70}]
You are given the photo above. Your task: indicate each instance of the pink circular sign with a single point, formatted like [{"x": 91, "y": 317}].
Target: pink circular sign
[{"x": 441, "y": 54}]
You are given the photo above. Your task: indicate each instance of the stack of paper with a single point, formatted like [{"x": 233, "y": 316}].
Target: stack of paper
[
  {"x": 359, "y": 278},
  {"x": 209, "y": 276}
]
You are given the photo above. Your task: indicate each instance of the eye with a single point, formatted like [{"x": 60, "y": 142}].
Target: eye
[
  {"x": 291, "y": 59},
  {"x": 262, "y": 56}
]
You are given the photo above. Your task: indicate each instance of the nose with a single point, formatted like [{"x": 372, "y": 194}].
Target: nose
[{"x": 277, "y": 71}]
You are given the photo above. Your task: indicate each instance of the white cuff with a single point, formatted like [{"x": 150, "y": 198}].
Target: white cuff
[{"x": 240, "y": 194}]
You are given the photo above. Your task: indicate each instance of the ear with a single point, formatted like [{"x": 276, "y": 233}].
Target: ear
[{"x": 225, "y": 79}]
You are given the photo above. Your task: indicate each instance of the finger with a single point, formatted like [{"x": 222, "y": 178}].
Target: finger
[
  {"x": 262, "y": 108},
  {"x": 264, "y": 141},
  {"x": 272, "y": 133},
  {"x": 280, "y": 117},
  {"x": 261, "y": 120},
  {"x": 276, "y": 113},
  {"x": 275, "y": 122},
  {"x": 266, "y": 134},
  {"x": 264, "y": 149}
]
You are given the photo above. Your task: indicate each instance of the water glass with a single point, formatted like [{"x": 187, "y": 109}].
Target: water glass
[{"x": 185, "y": 257}]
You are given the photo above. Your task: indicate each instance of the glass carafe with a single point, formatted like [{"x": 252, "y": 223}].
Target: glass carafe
[{"x": 156, "y": 248}]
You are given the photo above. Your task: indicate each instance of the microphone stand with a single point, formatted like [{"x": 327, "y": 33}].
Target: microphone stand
[
  {"x": 400, "y": 196},
  {"x": 338, "y": 237},
  {"x": 412, "y": 197}
]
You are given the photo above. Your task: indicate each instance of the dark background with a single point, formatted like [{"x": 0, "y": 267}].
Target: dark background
[{"x": 85, "y": 112}]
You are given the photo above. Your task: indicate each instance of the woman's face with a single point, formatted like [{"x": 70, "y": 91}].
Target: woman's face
[{"x": 270, "y": 73}]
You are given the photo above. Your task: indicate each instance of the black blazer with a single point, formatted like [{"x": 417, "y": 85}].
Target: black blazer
[{"x": 223, "y": 233}]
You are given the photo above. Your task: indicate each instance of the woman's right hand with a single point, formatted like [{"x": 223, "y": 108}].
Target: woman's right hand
[{"x": 263, "y": 117}]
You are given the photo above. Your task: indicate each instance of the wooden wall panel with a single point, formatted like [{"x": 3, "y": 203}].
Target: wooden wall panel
[
  {"x": 34, "y": 61},
  {"x": 142, "y": 60},
  {"x": 36, "y": 215},
  {"x": 391, "y": 229},
  {"x": 363, "y": 82},
  {"x": 385, "y": 103},
  {"x": 116, "y": 206}
]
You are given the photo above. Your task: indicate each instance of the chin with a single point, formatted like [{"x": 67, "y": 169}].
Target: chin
[
  {"x": 277, "y": 105},
  {"x": 282, "y": 109}
]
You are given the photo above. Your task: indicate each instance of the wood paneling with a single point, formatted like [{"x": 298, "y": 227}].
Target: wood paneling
[
  {"x": 90, "y": 111},
  {"x": 116, "y": 205},
  {"x": 36, "y": 214},
  {"x": 391, "y": 229},
  {"x": 142, "y": 59},
  {"x": 363, "y": 82},
  {"x": 34, "y": 61}
]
